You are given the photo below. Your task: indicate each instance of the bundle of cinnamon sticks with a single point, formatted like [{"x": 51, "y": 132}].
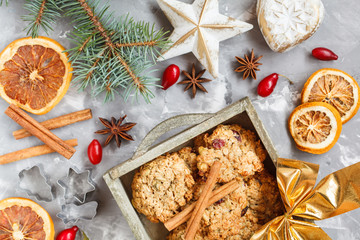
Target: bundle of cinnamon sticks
[{"x": 42, "y": 132}]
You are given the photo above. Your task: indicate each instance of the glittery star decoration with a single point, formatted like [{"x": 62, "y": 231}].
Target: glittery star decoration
[{"x": 198, "y": 28}]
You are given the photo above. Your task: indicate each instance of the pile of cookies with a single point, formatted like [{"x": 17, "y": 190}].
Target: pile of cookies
[{"x": 164, "y": 189}]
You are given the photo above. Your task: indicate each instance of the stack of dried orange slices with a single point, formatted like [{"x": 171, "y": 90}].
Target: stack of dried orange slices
[{"x": 330, "y": 98}]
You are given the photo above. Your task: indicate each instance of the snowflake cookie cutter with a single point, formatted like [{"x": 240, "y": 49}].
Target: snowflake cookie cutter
[
  {"x": 76, "y": 185},
  {"x": 71, "y": 213},
  {"x": 36, "y": 184}
]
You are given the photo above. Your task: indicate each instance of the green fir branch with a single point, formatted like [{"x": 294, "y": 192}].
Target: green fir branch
[
  {"x": 141, "y": 36},
  {"x": 112, "y": 55},
  {"x": 42, "y": 15}
]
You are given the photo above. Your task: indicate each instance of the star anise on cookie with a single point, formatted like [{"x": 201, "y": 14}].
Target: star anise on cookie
[
  {"x": 249, "y": 65},
  {"x": 194, "y": 80},
  {"x": 115, "y": 129}
]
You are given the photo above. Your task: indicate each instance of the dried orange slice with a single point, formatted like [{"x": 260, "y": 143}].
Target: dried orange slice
[
  {"x": 34, "y": 74},
  {"x": 335, "y": 87},
  {"x": 315, "y": 127},
  {"x": 22, "y": 218}
]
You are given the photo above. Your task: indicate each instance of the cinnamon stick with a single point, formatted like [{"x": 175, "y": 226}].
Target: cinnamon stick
[
  {"x": 39, "y": 131},
  {"x": 57, "y": 122},
  {"x": 194, "y": 222},
  {"x": 31, "y": 152},
  {"x": 185, "y": 214}
]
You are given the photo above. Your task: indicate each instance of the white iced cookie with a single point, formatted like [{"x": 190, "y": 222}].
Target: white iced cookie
[{"x": 286, "y": 23}]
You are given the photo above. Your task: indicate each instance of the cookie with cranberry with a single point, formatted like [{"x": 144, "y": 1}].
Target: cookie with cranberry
[{"x": 238, "y": 149}]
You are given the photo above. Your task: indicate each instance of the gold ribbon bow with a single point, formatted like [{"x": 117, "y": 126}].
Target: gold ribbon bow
[{"x": 336, "y": 194}]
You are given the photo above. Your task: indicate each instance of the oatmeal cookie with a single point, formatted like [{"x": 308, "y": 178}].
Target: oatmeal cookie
[
  {"x": 239, "y": 151},
  {"x": 263, "y": 196},
  {"x": 227, "y": 218},
  {"x": 240, "y": 214},
  {"x": 161, "y": 187}
]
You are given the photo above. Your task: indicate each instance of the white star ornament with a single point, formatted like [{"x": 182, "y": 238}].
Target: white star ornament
[{"x": 198, "y": 28}]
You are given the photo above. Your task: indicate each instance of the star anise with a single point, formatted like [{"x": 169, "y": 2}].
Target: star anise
[
  {"x": 194, "y": 81},
  {"x": 114, "y": 128},
  {"x": 248, "y": 65}
]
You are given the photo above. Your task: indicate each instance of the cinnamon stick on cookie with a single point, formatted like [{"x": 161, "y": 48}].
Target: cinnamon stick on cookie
[
  {"x": 201, "y": 204},
  {"x": 216, "y": 195}
]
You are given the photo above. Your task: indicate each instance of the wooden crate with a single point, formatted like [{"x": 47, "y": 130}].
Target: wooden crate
[{"x": 119, "y": 178}]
